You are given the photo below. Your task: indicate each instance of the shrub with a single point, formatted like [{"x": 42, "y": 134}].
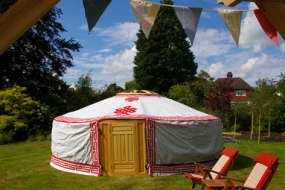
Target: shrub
[{"x": 22, "y": 116}]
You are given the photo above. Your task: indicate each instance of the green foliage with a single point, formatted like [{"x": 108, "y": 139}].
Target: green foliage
[
  {"x": 107, "y": 92},
  {"x": 241, "y": 112},
  {"x": 201, "y": 87},
  {"x": 6, "y": 138},
  {"x": 278, "y": 111},
  {"x": 83, "y": 94},
  {"x": 22, "y": 116},
  {"x": 182, "y": 94},
  {"x": 263, "y": 101},
  {"x": 164, "y": 59},
  {"x": 132, "y": 85},
  {"x": 193, "y": 94}
]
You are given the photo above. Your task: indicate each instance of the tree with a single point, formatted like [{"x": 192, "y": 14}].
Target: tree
[
  {"x": 218, "y": 99},
  {"x": 263, "y": 101},
  {"x": 132, "y": 85},
  {"x": 164, "y": 59},
  {"x": 182, "y": 94},
  {"x": 39, "y": 58},
  {"x": 83, "y": 94},
  {"x": 193, "y": 94},
  {"x": 239, "y": 109},
  {"x": 202, "y": 86},
  {"x": 278, "y": 112}
]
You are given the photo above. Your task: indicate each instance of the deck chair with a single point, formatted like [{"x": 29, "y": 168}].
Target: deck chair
[
  {"x": 220, "y": 168},
  {"x": 259, "y": 177}
]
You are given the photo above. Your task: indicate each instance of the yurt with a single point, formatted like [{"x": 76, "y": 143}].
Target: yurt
[{"x": 135, "y": 133}]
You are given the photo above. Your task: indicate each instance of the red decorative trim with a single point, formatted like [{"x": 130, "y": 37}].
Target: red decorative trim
[
  {"x": 65, "y": 119},
  {"x": 136, "y": 116},
  {"x": 94, "y": 143},
  {"x": 86, "y": 168},
  {"x": 150, "y": 143},
  {"x": 185, "y": 119},
  {"x": 126, "y": 110},
  {"x": 177, "y": 168},
  {"x": 144, "y": 95},
  {"x": 132, "y": 98}
]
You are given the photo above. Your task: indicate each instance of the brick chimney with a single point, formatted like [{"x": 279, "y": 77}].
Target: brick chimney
[{"x": 229, "y": 75}]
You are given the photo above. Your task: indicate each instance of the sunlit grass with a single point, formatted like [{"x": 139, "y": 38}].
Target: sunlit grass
[{"x": 26, "y": 166}]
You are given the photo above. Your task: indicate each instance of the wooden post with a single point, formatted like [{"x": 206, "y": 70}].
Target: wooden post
[
  {"x": 252, "y": 124},
  {"x": 19, "y": 18}
]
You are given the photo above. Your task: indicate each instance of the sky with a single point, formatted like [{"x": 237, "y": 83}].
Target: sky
[{"x": 109, "y": 49}]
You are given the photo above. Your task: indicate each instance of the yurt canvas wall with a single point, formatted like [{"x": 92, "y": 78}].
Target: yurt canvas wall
[{"x": 134, "y": 134}]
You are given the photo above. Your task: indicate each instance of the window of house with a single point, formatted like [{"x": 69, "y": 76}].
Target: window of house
[{"x": 240, "y": 93}]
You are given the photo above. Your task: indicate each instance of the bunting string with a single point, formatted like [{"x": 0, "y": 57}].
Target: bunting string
[
  {"x": 146, "y": 13},
  {"x": 189, "y": 18},
  {"x": 204, "y": 9}
]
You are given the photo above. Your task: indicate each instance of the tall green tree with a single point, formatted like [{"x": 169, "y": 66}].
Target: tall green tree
[
  {"x": 239, "y": 110},
  {"x": 278, "y": 112},
  {"x": 39, "y": 58},
  {"x": 264, "y": 98},
  {"x": 165, "y": 58}
]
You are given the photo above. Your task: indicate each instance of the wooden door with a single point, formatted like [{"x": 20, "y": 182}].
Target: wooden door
[{"x": 124, "y": 149}]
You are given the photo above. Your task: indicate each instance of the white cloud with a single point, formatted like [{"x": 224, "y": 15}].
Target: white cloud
[
  {"x": 119, "y": 34},
  {"x": 282, "y": 47},
  {"x": 263, "y": 66},
  {"x": 119, "y": 67},
  {"x": 214, "y": 49},
  {"x": 72, "y": 74},
  {"x": 248, "y": 66},
  {"x": 106, "y": 50},
  {"x": 252, "y": 35},
  {"x": 84, "y": 27},
  {"x": 211, "y": 42},
  {"x": 104, "y": 69},
  {"x": 216, "y": 69}
]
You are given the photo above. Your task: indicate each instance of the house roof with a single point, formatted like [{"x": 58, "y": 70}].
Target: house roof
[{"x": 236, "y": 83}]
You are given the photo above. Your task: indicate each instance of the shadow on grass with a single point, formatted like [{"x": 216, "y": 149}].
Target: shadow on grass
[{"x": 242, "y": 162}]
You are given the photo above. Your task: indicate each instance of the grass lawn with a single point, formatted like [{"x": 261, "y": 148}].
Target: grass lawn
[{"x": 26, "y": 166}]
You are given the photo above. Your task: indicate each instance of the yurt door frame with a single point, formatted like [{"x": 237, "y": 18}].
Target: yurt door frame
[{"x": 122, "y": 147}]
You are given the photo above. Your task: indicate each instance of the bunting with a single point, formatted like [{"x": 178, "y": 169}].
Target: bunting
[
  {"x": 267, "y": 27},
  {"x": 232, "y": 19},
  {"x": 189, "y": 18},
  {"x": 93, "y": 11},
  {"x": 145, "y": 13}
]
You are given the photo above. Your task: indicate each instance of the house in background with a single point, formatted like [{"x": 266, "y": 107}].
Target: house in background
[{"x": 236, "y": 88}]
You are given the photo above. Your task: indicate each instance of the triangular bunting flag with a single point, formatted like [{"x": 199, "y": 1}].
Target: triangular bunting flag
[
  {"x": 189, "y": 18},
  {"x": 145, "y": 13},
  {"x": 267, "y": 27},
  {"x": 93, "y": 11},
  {"x": 232, "y": 19}
]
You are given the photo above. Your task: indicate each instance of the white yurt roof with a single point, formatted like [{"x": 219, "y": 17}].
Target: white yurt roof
[{"x": 138, "y": 104}]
